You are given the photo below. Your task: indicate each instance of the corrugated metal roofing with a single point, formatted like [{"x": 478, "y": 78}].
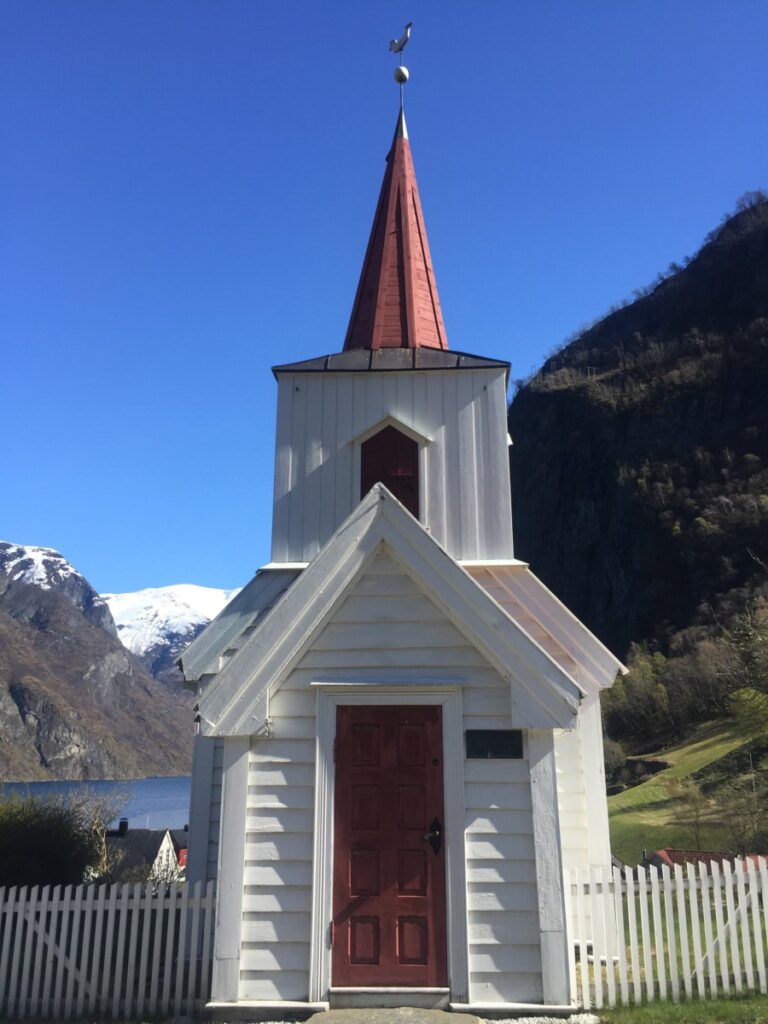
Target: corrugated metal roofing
[
  {"x": 243, "y": 611},
  {"x": 546, "y": 619}
]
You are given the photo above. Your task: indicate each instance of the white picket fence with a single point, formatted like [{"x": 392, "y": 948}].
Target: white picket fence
[
  {"x": 642, "y": 934},
  {"x": 121, "y": 951}
]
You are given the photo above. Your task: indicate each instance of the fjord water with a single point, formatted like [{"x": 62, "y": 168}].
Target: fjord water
[{"x": 150, "y": 803}]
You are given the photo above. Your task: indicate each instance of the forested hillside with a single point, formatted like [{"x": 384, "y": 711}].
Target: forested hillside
[{"x": 640, "y": 484}]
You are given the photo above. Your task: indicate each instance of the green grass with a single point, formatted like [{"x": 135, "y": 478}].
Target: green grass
[
  {"x": 749, "y": 1010},
  {"x": 648, "y": 816}
]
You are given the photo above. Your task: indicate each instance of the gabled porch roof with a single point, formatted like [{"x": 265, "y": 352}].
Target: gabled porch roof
[{"x": 236, "y": 702}]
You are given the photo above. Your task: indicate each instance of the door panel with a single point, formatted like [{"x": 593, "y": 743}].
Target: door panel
[{"x": 389, "y": 884}]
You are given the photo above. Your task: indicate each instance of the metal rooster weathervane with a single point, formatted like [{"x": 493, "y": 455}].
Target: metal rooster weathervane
[{"x": 397, "y": 46}]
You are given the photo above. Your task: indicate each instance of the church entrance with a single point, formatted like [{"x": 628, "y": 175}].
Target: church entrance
[{"x": 389, "y": 861}]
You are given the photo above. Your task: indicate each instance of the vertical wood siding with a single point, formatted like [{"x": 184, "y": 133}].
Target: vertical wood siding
[
  {"x": 205, "y": 808},
  {"x": 571, "y": 793},
  {"x": 463, "y": 412},
  {"x": 387, "y": 624},
  {"x": 215, "y": 819}
]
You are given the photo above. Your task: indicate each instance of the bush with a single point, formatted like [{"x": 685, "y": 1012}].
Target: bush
[
  {"x": 52, "y": 842},
  {"x": 614, "y": 757}
]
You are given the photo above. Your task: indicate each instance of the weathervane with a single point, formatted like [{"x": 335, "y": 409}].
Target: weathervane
[{"x": 397, "y": 46}]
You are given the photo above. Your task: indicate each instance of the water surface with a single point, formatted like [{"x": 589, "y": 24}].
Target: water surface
[{"x": 150, "y": 803}]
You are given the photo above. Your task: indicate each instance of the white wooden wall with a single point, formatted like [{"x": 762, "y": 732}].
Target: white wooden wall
[
  {"x": 205, "y": 808},
  {"x": 386, "y": 625},
  {"x": 504, "y": 942},
  {"x": 274, "y": 961},
  {"x": 212, "y": 845},
  {"x": 466, "y": 494},
  {"x": 581, "y": 791},
  {"x": 572, "y": 798}
]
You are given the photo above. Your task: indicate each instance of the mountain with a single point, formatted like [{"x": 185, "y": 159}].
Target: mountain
[
  {"x": 74, "y": 703},
  {"x": 47, "y": 569},
  {"x": 156, "y": 624},
  {"x": 640, "y": 477},
  {"x": 640, "y": 458}
]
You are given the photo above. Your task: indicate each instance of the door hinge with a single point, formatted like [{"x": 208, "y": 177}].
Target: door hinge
[
  {"x": 332, "y": 933},
  {"x": 335, "y": 748}
]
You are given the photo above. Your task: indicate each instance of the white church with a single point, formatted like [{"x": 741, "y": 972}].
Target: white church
[{"x": 399, "y": 755}]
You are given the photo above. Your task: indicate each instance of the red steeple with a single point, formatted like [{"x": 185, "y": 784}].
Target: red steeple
[{"x": 396, "y": 305}]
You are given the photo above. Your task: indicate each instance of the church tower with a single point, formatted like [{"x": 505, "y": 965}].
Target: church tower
[
  {"x": 396, "y": 405},
  {"x": 398, "y": 761}
]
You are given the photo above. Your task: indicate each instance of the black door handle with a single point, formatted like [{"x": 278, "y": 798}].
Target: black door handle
[{"x": 435, "y": 836}]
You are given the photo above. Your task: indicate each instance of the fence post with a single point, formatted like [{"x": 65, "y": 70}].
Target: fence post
[
  {"x": 742, "y": 914},
  {"x": 637, "y": 991},
  {"x": 658, "y": 933},
  {"x": 669, "y": 913},
  {"x": 22, "y": 1000},
  {"x": 146, "y": 935},
  {"x": 721, "y": 940},
  {"x": 734, "y": 935},
  {"x": 757, "y": 930},
  {"x": 71, "y": 965},
  {"x": 61, "y": 947},
  {"x": 578, "y": 896},
  {"x": 682, "y": 924},
  {"x": 693, "y": 902},
  {"x": 42, "y": 953}
]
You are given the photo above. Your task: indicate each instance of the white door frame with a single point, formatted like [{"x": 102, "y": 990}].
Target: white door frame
[{"x": 329, "y": 697}]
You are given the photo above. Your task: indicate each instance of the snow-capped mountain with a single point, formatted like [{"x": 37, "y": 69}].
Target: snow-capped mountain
[
  {"x": 48, "y": 569},
  {"x": 74, "y": 703},
  {"x": 156, "y": 624}
]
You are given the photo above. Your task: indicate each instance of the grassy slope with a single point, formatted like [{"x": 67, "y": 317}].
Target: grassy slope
[
  {"x": 648, "y": 816},
  {"x": 748, "y": 1010}
]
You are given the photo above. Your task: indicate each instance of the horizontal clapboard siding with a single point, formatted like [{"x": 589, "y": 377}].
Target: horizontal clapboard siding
[
  {"x": 385, "y": 621},
  {"x": 463, "y": 413},
  {"x": 277, "y": 899},
  {"x": 504, "y": 951}
]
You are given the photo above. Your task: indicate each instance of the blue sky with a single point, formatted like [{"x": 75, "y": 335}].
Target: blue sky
[{"x": 186, "y": 189}]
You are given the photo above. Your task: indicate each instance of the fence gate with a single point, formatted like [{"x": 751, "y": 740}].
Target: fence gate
[
  {"x": 122, "y": 951},
  {"x": 642, "y": 934}
]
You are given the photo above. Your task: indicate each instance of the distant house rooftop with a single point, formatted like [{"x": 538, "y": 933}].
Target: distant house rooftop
[
  {"x": 672, "y": 857},
  {"x": 162, "y": 852}
]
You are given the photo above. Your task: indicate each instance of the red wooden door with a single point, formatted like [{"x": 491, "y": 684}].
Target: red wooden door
[{"x": 388, "y": 880}]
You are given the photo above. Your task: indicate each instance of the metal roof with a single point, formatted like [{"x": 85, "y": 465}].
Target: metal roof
[
  {"x": 243, "y": 611},
  {"x": 396, "y": 304},
  {"x": 363, "y": 360}
]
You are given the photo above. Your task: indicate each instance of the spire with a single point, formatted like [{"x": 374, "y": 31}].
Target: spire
[{"x": 396, "y": 305}]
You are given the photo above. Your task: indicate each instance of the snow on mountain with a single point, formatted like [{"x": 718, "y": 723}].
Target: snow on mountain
[
  {"x": 157, "y": 623},
  {"x": 48, "y": 569},
  {"x": 44, "y": 567}
]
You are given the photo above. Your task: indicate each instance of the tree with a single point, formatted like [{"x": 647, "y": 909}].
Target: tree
[
  {"x": 695, "y": 815},
  {"x": 742, "y": 810},
  {"x": 54, "y": 842},
  {"x": 614, "y": 759}
]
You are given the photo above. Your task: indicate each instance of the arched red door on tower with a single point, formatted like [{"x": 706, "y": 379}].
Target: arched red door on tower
[{"x": 389, "y": 865}]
